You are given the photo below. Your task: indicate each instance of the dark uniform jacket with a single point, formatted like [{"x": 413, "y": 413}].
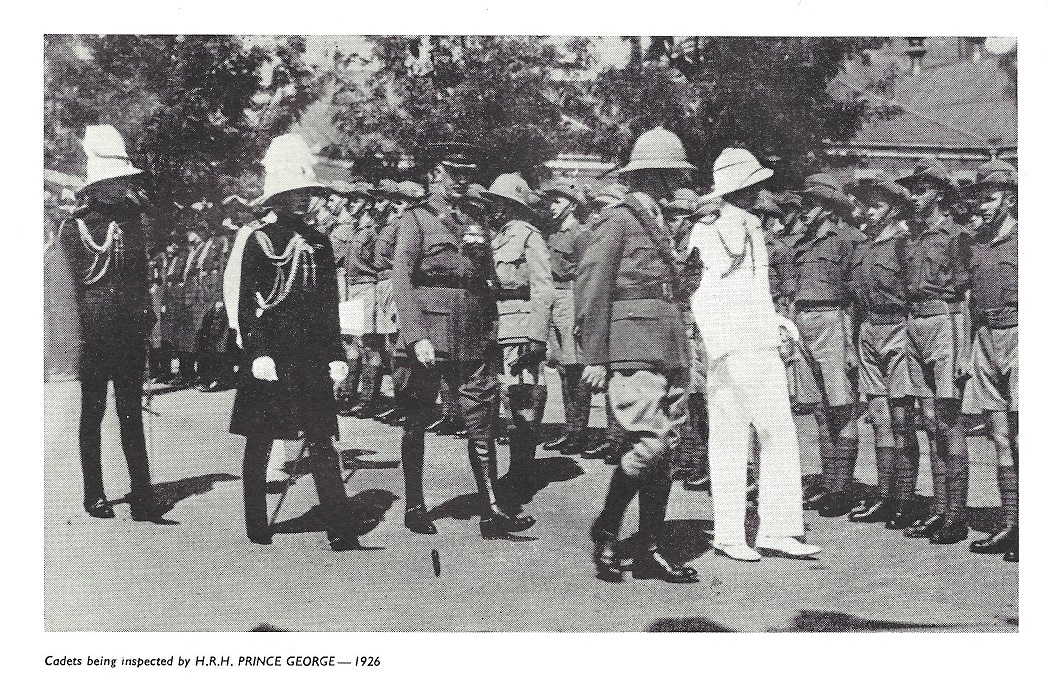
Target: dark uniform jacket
[
  {"x": 300, "y": 334},
  {"x": 878, "y": 276},
  {"x": 993, "y": 270},
  {"x": 213, "y": 332},
  {"x": 442, "y": 283},
  {"x": 625, "y": 306},
  {"x": 821, "y": 262},
  {"x": 782, "y": 269},
  {"x": 938, "y": 263},
  {"x": 115, "y": 308}
]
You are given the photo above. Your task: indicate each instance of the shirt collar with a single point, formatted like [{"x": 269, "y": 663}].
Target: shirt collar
[
  {"x": 890, "y": 231},
  {"x": 1008, "y": 230}
]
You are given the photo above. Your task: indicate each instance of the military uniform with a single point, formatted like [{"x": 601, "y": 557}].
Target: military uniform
[
  {"x": 442, "y": 274},
  {"x": 106, "y": 248},
  {"x": 524, "y": 295},
  {"x": 212, "y": 342}
]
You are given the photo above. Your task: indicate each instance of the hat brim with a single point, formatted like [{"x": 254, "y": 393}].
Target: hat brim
[
  {"x": 908, "y": 181},
  {"x": 495, "y": 198},
  {"x": 655, "y": 166},
  {"x": 122, "y": 173},
  {"x": 261, "y": 201},
  {"x": 976, "y": 188},
  {"x": 757, "y": 176},
  {"x": 827, "y": 194}
]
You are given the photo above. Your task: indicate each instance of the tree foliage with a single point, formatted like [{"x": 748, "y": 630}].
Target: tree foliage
[{"x": 195, "y": 111}]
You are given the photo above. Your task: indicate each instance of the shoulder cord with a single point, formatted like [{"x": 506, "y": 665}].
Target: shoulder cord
[
  {"x": 297, "y": 256},
  {"x": 736, "y": 259},
  {"x": 111, "y": 248}
]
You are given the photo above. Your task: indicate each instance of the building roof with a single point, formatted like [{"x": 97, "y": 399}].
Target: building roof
[{"x": 960, "y": 103}]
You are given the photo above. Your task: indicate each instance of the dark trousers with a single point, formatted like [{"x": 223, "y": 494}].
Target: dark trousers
[
  {"x": 103, "y": 362},
  {"x": 327, "y": 477},
  {"x": 473, "y": 384}
]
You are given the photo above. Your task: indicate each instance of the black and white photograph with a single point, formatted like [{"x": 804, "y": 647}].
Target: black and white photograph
[{"x": 530, "y": 333}]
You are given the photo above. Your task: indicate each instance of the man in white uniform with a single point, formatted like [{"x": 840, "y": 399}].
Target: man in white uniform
[{"x": 746, "y": 382}]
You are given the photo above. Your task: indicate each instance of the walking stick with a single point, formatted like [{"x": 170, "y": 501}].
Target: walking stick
[{"x": 291, "y": 477}]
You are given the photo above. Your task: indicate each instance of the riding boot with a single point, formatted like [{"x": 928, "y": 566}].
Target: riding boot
[
  {"x": 649, "y": 562},
  {"x": 605, "y": 529},
  {"x": 416, "y": 519},
  {"x": 495, "y": 523}
]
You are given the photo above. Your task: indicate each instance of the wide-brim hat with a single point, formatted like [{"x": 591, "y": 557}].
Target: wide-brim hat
[
  {"x": 999, "y": 179},
  {"x": 409, "y": 191},
  {"x": 385, "y": 189},
  {"x": 610, "y": 194},
  {"x": 657, "y": 149},
  {"x": 564, "y": 190},
  {"x": 736, "y": 169},
  {"x": 683, "y": 203},
  {"x": 105, "y": 155},
  {"x": 863, "y": 188},
  {"x": 929, "y": 170},
  {"x": 788, "y": 199},
  {"x": 825, "y": 188},
  {"x": 764, "y": 203},
  {"x": 288, "y": 166}
]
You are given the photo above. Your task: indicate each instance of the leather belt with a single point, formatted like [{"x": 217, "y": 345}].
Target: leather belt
[
  {"x": 817, "y": 306},
  {"x": 657, "y": 290},
  {"x": 446, "y": 280},
  {"x": 1000, "y": 318},
  {"x": 924, "y": 309},
  {"x": 518, "y": 294},
  {"x": 562, "y": 284},
  {"x": 875, "y": 318}
]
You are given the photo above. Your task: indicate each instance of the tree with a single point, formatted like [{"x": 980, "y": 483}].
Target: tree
[
  {"x": 495, "y": 91},
  {"x": 770, "y": 95},
  {"x": 196, "y": 111}
]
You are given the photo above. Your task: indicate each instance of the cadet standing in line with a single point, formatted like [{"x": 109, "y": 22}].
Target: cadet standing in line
[
  {"x": 995, "y": 374},
  {"x": 821, "y": 258},
  {"x": 211, "y": 341},
  {"x": 524, "y": 294},
  {"x": 636, "y": 348},
  {"x": 106, "y": 243},
  {"x": 938, "y": 277},
  {"x": 293, "y": 355},
  {"x": 447, "y": 319},
  {"x": 565, "y": 203},
  {"x": 878, "y": 287}
]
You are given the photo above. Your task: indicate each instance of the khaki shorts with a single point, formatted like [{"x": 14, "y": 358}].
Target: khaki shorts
[
  {"x": 826, "y": 334},
  {"x": 882, "y": 360},
  {"x": 995, "y": 379},
  {"x": 934, "y": 341},
  {"x": 386, "y": 308},
  {"x": 360, "y": 317}
]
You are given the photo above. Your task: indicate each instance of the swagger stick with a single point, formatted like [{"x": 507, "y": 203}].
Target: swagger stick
[{"x": 291, "y": 477}]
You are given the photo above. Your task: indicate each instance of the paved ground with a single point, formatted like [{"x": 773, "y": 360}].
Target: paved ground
[{"x": 201, "y": 574}]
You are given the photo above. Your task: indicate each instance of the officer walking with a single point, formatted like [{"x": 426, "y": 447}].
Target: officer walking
[
  {"x": 938, "y": 277},
  {"x": 994, "y": 384},
  {"x": 524, "y": 294},
  {"x": 287, "y": 321},
  {"x": 635, "y": 346},
  {"x": 106, "y": 243},
  {"x": 447, "y": 318}
]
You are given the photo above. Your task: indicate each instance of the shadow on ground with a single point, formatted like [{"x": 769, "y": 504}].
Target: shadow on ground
[
  {"x": 805, "y": 621},
  {"x": 368, "y": 507}
]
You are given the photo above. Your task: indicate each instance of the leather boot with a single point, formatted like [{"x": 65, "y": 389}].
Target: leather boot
[
  {"x": 605, "y": 530},
  {"x": 649, "y": 562},
  {"x": 954, "y": 530},
  {"x": 99, "y": 508},
  {"x": 879, "y": 510},
  {"x": 605, "y": 556},
  {"x": 495, "y": 523},
  {"x": 926, "y": 527},
  {"x": 416, "y": 519},
  {"x": 902, "y": 517},
  {"x": 1003, "y": 540}
]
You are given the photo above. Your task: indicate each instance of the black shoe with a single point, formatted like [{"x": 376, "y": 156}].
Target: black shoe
[
  {"x": 653, "y": 565},
  {"x": 979, "y": 429},
  {"x": 864, "y": 504},
  {"x": 877, "y": 511},
  {"x": 500, "y": 525},
  {"x": 556, "y": 443},
  {"x": 147, "y": 510},
  {"x": 815, "y": 500},
  {"x": 417, "y": 521},
  {"x": 902, "y": 518},
  {"x": 950, "y": 533},
  {"x": 926, "y": 527},
  {"x": 99, "y": 508},
  {"x": 1003, "y": 540},
  {"x": 263, "y": 538},
  {"x": 837, "y": 504},
  {"x": 343, "y": 543},
  {"x": 501, "y": 440},
  {"x": 600, "y": 452},
  {"x": 605, "y": 556},
  {"x": 386, "y": 416},
  {"x": 434, "y": 426},
  {"x": 365, "y": 412},
  {"x": 703, "y": 484},
  {"x": 1011, "y": 554}
]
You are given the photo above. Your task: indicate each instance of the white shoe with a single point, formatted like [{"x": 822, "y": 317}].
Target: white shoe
[
  {"x": 787, "y": 546},
  {"x": 737, "y": 551}
]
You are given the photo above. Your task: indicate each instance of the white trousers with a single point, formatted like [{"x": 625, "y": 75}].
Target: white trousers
[{"x": 745, "y": 389}]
